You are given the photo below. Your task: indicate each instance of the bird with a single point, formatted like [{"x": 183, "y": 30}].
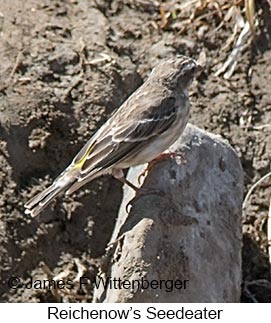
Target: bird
[{"x": 150, "y": 120}]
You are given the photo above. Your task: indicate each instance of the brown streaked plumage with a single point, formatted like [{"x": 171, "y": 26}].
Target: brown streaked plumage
[{"x": 144, "y": 126}]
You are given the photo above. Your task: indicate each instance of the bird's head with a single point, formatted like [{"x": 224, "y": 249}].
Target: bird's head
[{"x": 176, "y": 73}]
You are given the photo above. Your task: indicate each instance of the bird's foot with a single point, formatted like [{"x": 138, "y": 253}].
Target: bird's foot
[{"x": 161, "y": 157}]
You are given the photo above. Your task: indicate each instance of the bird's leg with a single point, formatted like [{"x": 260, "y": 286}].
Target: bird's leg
[
  {"x": 125, "y": 181},
  {"x": 150, "y": 165},
  {"x": 118, "y": 174}
]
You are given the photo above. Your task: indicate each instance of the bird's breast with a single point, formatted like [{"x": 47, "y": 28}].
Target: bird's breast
[{"x": 157, "y": 145}]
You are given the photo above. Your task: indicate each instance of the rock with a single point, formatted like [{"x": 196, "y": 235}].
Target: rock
[{"x": 185, "y": 241}]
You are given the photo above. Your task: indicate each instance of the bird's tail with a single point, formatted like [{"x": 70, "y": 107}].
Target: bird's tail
[{"x": 42, "y": 199}]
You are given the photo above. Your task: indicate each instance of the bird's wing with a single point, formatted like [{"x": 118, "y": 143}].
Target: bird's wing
[{"x": 119, "y": 139}]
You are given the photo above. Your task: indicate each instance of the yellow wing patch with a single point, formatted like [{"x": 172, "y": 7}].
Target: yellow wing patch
[{"x": 81, "y": 162}]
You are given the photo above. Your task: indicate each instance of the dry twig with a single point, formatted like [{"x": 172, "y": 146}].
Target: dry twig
[
  {"x": 253, "y": 187},
  {"x": 250, "y": 14},
  {"x": 230, "y": 64}
]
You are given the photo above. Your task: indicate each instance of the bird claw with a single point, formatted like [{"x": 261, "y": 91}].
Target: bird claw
[
  {"x": 155, "y": 161},
  {"x": 142, "y": 175}
]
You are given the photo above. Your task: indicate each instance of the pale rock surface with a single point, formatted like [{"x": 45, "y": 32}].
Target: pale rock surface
[{"x": 191, "y": 231}]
